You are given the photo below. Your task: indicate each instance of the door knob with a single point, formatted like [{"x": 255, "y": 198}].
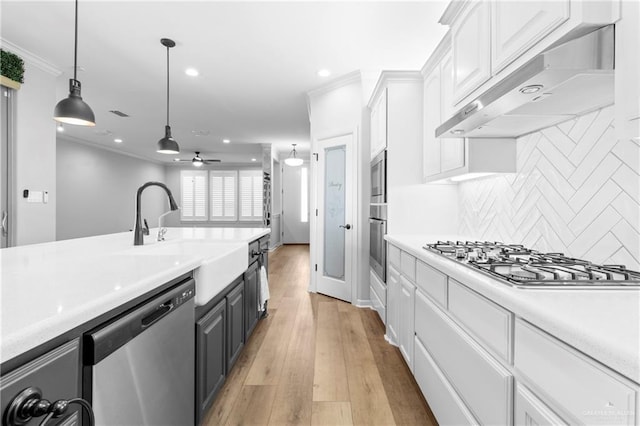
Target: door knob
[{"x": 347, "y": 226}]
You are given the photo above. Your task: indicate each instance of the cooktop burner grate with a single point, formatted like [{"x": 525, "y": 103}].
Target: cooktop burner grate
[{"x": 525, "y": 267}]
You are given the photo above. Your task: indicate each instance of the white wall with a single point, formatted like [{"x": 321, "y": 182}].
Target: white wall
[
  {"x": 35, "y": 155},
  {"x": 337, "y": 109},
  {"x": 97, "y": 190}
]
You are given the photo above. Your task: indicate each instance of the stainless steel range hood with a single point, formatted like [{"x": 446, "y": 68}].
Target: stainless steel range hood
[{"x": 565, "y": 81}]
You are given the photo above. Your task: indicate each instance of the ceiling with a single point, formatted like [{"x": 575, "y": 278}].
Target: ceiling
[{"x": 257, "y": 61}]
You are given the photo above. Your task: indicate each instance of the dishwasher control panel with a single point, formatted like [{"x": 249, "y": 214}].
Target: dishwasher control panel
[{"x": 184, "y": 296}]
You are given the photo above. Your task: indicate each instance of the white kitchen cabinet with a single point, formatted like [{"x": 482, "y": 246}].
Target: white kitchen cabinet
[
  {"x": 406, "y": 328},
  {"x": 393, "y": 304},
  {"x": 518, "y": 25},
  {"x": 396, "y": 106},
  {"x": 440, "y": 155},
  {"x": 492, "y": 38},
  {"x": 583, "y": 391},
  {"x": 379, "y": 124},
  {"x": 471, "y": 46},
  {"x": 378, "y": 293},
  {"x": 529, "y": 410}
]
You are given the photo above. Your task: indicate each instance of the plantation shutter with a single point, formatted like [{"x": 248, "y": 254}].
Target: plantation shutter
[
  {"x": 193, "y": 195},
  {"x": 223, "y": 189},
  {"x": 250, "y": 195}
]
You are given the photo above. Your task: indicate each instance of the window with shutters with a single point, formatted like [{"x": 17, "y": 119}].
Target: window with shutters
[
  {"x": 250, "y": 195},
  {"x": 223, "y": 185},
  {"x": 193, "y": 185}
]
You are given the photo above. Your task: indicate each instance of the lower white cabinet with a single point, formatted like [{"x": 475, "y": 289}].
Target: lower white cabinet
[
  {"x": 378, "y": 292},
  {"x": 529, "y": 410},
  {"x": 393, "y": 304},
  {"x": 443, "y": 399},
  {"x": 406, "y": 329},
  {"x": 480, "y": 380}
]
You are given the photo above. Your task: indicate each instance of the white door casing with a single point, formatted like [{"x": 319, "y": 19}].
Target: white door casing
[{"x": 335, "y": 234}]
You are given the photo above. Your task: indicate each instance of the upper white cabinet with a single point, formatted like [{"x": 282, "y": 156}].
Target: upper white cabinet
[
  {"x": 440, "y": 155},
  {"x": 379, "y": 124},
  {"x": 492, "y": 38},
  {"x": 396, "y": 124},
  {"x": 471, "y": 42},
  {"x": 518, "y": 25}
]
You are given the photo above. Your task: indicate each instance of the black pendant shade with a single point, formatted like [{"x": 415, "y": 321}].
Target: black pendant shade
[
  {"x": 73, "y": 110},
  {"x": 168, "y": 144}
]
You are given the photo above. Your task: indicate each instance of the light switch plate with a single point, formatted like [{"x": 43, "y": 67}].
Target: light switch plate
[{"x": 35, "y": 197}]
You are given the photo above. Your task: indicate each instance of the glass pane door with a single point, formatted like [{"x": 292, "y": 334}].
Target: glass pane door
[{"x": 334, "y": 218}]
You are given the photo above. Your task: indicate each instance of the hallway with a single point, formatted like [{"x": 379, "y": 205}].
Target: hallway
[{"x": 316, "y": 361}]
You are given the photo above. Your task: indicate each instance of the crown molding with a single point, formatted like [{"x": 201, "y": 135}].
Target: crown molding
[
  {"x": 395, "y": 77},
  {"x": 345, "y": 80},
  {"x": 452, "y": 11},
  {"x": 31, "y": 58},
  {"x": 438, "y": 54},
  {"x": 73, "y": 139}
]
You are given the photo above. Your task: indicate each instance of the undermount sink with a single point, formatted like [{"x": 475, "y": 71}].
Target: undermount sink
[{"x": 220, "y": 263}]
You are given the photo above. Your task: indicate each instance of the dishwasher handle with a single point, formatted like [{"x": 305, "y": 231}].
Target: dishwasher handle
[
  {"x": 156, "y": 315},
  {"x": 103, "y": 341}
]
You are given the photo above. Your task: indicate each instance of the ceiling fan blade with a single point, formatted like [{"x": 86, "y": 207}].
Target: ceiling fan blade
[
  {"x": 180, "y": 160},
  {"x": 212, "y": 160}
]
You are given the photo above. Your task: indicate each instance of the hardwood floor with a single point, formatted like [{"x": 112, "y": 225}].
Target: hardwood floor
[{"x": 316, "y": 361}]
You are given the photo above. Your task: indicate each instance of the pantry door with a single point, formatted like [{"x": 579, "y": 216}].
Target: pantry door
[{"x": 335, "y": 235}]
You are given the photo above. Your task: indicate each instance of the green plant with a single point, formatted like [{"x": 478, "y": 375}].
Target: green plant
[{"x": 11, "y": 66}]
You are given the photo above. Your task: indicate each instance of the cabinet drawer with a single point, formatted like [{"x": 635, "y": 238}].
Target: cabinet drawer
[
  {"x": 408, "y": 266},
  {"x": 587, "y": 391},
  {"x": 432, "y": 282},
  {"x": 483, "y": 384},
  {"x": 488, "y": 322},
  {"x": 378, "y": 306},
  {"x": 377, "y": 286},
  {"x": 443, "y": 399},
  {"x": 529, "y": 410},
  {"x": 394, "y": 256}
]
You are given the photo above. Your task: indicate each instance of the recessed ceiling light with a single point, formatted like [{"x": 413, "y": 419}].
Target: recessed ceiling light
[
  {"x": 253, "y": 159},
  {"x": 117, "y": 140},
  {"x": 60, "y": 127},
  {"x": 324, "y": 73},
  {"x": 533, "y": 88},
  {"x": 191, "y": 72},
  {"x": 226, "y": 141}
]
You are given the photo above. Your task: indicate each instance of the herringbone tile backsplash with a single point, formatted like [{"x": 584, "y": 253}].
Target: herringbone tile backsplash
[{"x": 577, "y": 191}]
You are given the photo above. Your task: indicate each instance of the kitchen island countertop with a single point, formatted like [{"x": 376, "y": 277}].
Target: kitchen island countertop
[
  {"x": 604, "y": 324},
  {"x": 51, "y": 288}
]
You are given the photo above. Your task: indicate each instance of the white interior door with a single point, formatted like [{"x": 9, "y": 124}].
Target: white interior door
[
  {"x": 295, "y": 204},
  {"x": 335, "y": 208}
]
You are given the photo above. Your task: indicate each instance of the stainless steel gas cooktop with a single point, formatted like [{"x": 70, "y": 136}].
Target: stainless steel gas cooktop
[{"x": 523, "y": 267}]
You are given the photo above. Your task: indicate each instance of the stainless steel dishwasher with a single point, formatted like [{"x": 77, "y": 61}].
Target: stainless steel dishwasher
[{"x": 141, "y": 365}]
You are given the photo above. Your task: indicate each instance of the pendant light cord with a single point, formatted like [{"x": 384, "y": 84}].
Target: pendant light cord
[
  {"x": 75, "y": 47},
  {"x": 167, "y": 85}
]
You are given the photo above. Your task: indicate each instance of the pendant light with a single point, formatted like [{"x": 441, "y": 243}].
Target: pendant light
[
  {"x": 168, "y": 144},
  {"x": 73, "y": 110},
  {"x": 292, "y": 160}
]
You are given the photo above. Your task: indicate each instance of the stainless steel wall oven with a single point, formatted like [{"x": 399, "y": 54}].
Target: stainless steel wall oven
[
  {"x": 379, "y": 178},
  {"x": 377, "y": 244}
]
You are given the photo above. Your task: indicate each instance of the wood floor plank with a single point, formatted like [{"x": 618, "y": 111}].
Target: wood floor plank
[
  {"x": 267, "y": 366},
  {"x": 330, "y": 373},
  {"x": 293, "y": 401},
  {"x": 369, "y": 403},
  {"x": 253, "y": 406},
  {"x": 405, "y": 399},
  {"x": 331, "y": 413}
]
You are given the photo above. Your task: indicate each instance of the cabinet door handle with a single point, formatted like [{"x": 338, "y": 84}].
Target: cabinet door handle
[{"x": 3, "y": 225}]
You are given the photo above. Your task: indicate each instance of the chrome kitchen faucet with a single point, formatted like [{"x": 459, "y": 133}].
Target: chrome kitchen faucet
[{"x": 138, "y": 231}]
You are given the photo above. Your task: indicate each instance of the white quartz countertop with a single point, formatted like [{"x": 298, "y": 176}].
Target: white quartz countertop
[
  {"x": 604, "y": 324},
  {"x": 51, "y": 288}
]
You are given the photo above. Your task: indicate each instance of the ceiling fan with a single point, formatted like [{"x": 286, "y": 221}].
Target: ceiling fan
[{"x": 198, "y": 161}]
